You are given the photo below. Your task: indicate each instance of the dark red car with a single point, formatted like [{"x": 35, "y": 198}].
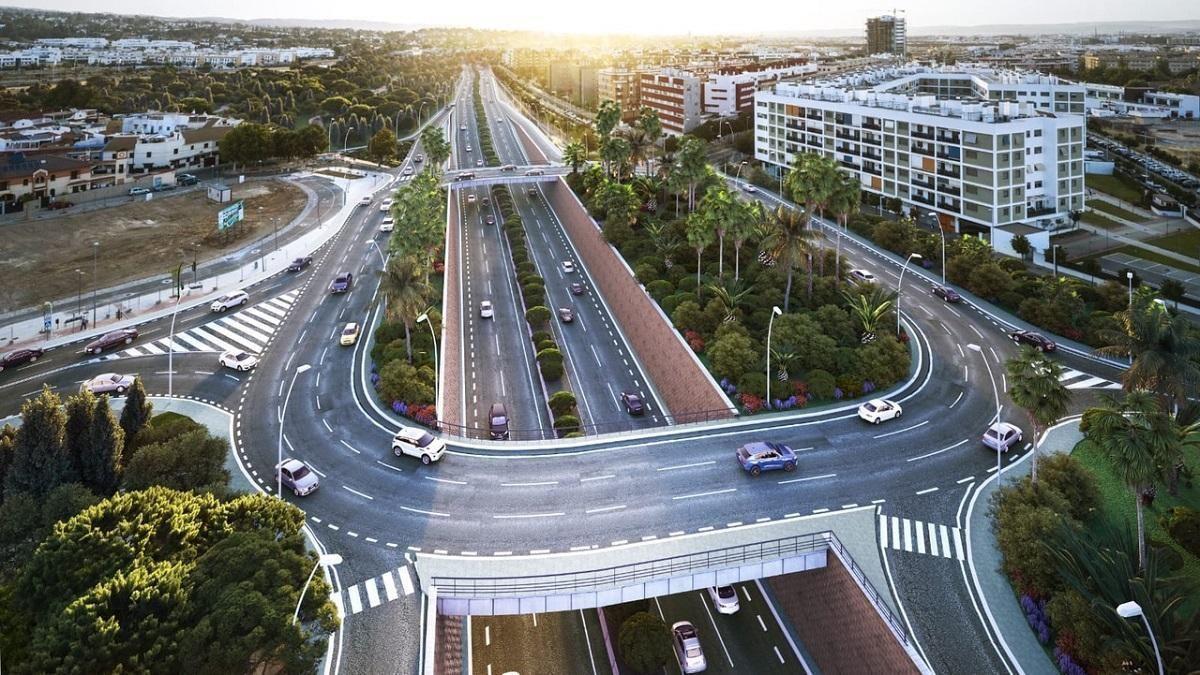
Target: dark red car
[
  {"x": 946, "y": 293},
  {"x": 123, "y": 336},
  {"x": 19, "y": 357},
  {"x": 1036, "y": 340}
]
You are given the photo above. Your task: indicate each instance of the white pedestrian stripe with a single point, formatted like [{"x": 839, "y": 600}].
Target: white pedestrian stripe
[
  {"x": 931, "y": 538},
  {"x": 246, "y": 329},
  {"x": 1073, "y": 379},
  {"x": 354, "y": 593}
]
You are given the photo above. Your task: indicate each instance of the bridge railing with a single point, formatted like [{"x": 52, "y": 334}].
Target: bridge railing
[{"x": 627, "y": 426}]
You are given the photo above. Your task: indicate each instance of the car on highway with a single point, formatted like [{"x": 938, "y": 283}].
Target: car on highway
[
  {"x": 342, "y": 283},
  {"x": 566, "y": 314},
  {"x": 419, "y": 158},
  {"x": 1036, "y": 340},
  {"x": 238, "y": 360},
  {"x": 535, "y": 172},
  {"x": 532, "y": 192},
  {"x": 108, "y": 383},
  {"x": 300, "y": 263},
  {"x": 416, "y": 442},
  {"x": 508, "y": 167},
  {"x": 229, "y": 301},
  {"x": 946, "y": 293},
  {"x": 19, "y": 357},
  {"x": 479, "y": 162},
  {"x": 489, "y": 219},
  {"x": 749, "y": 188},
  {"x": 633, "y": 403},
  {"x": 724, "y": 599},
  {"x": 468, "y": 148},
  {"x": 498, "y": 422},
  {"x": 462, "y": 127},
  {"x": 365, "y": 201},
  {"x": 385, "y": 205},
  {"x": 471, "y": 198},
  {"x": 576, "y": 288},
  {"x": 297, "y": 477},
  {"x": 862, "y": 276},
  {"x": 688, "y": 652},
  {"x": 388, "y": 224},
  {"x": 766, "y": 456},
  {"x": 349, "y": 334},
  {"x": 1002, "y": 436},
  {"x": 486, "y": 310},
  {"x": 408, "y": 170},
  {"x": 466, "y": 175},
  {"x": 112, "y": 339},
  {"x": 486, "y": 201},
  {"x": 568, "y": 267},
  {"x": 133, "y": 192},
  {"x": 879, "y": 410}
]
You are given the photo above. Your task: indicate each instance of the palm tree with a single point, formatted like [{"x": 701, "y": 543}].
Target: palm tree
[
  {"x": 700, "y": 236},
  {"x": 869, "y": 309},
  {"x": 812, "y": 181},
  {"x": 1036, "y": 388},
  {"x": 407, "y": 292},
  {"x": 788, "y": 241},
  {"x": 1164, "y": 349},
  {"x": 575, "y": 156},
  {"x": 741, "y": 230},
  {"x": 1135, "y": 434},
  {"x": 730, "y": 296},
  {"x": 721, "y": 211},
  {"x": 785, "y": 356},
  {"x": 664, "y": 240},
  {"x": 843, "y": 202}
]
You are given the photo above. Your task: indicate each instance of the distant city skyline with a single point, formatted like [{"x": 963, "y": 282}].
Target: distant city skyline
[{"x": 634, "y": 17}]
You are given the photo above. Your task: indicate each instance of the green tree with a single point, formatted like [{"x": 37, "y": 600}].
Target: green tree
[
  {"x": 1022, "y": 247},
  {"x": 77, "y": 434},
  {"x": 100, "y": 468},
  {"x": 1164, "y": 349},
  {"x": 136, "y": 413},
  {"x": 407, "y": 292},
  {"x": 721, "y": 211},
  {"x": 39, "y": 457},
  {"x": 246, "y": 143},
  {"x": 561, "y": 402},
  {"x": 311, "y": 140},
  {"x": 192, "y": 461},
  {"x": 608, "y": 116},
  {"x": 788, "y": 241},
  {"x": 691, "y": 166},
  {"x": 732, "y": 353},
  {"x": 401, "y": 381},
  {"x": 844, "y": 201},
  {"x": 620, "y": 207},
  {"x": 802, "y": 334},
  {"x": 574, "y": 156},
  {"x": 616, "y": 153},
  {"x": 436, "y": 147},
  {"x": 1036, "y": 387},
  {"x": 699, "y": 236},
  {"x": 644, "y": 642},
  {"x": 1173, "y": 290},
  {"x": 869, "y": 309},
  {"x": 382, "y": 145}
]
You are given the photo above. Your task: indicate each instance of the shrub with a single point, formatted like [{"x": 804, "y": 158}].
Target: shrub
[
  {"x": 400, "y": 381},
  {"x": 849, "y": 385},
  {"x": 659, "y": 289},
  {"x": 566, "y": 423},
  {"x": 1183, "y": 524},
  {"x": 732, "y": 354},
  {"x": 531, "y": 277},
  {"x": 548, "y": 343},
  {"x": 821, "y": 383},
  {"x": 540, "y": 336},
  {"x": 561, "y": 402},
  {"x": 526, "y": 268},
  {"x": 552, "y": 370},
  {"x": 1064, "y": 474},
  {"x": 537, "y": 316},
  {"x": 549, "y": 355},
  {"x": 687, "y": 316},
  {"x": 533, "y": 293},
  {"x": 1024, "y": 518},
  {"x": 644, "y": 642},
  {"x": 694, "y": 340},
  {"x": 753, "y": 383},
  {"x": 672, "y": 302}
]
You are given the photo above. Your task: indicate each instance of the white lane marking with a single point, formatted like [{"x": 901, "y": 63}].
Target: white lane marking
[
  {"x": 355, "y": 601},
  {"x": 704, "y": 494},
  {"x": 896, "y": 533},
  {"x": 933, "y": 539},
  {"x": 372, "y": 592},
  {"x": 927, "y": 491},
  {"x": 425, "y": 513},
  {"x": 351, "y": 447},
  {"x": 945, "y": 541},
  {"x": 807, "y": 478},
  {"x": 521, "y": 516},
  {"x": 389, "y": 586},
  {"x": 360, "y": 494},
  {"x": 592, "y": 478},
  {"x": 883, "y": 531},
  {"x": 907, "y": 535},
  {"x": 605, "y": 509},
  {"x": 406, "y": 582},
  {"x": 534, "y": 484},
  {"x": 920, "y": 536},
  {"x": 900, "y": 431},
  {"x": 937, "y": 452},
  {"x": 957, "y": 399},
  {"x": 686, "y": 466},
  {"x": 446, "y": 480}
]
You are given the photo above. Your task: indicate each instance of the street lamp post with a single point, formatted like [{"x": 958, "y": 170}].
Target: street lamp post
[
  {"x": 171, "y": 348},
  {"x": 382, "y": 260},
  {"x": 328, "y": 560},
  {"x": 738, "y": 177},
  {"x": 900, "y": 283},
  {"x": 282, "y": 414},
  {"x": 721, "y": 125},
  {"x": 775, "y": 311},
  {"x": 424, "y": 318},
  {"x": 943, "y": 234},
  {"x": 95, "y": 260},
  {"x": 1129, "y": 610},
  {"x": 996, "y": 392},
  {"x": 79, "y": 292},
  {"x": 346, "y": 138},
  {"x": 1129, "y": 277}
]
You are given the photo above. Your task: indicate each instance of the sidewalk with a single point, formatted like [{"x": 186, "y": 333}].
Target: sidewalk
[{"x": 999, "y": 601}]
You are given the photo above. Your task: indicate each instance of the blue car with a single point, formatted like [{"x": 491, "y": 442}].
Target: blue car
[{"x": 766, "y": 456}]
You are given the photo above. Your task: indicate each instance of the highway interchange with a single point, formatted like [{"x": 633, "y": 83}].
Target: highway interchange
[{"x": 376, "y": 509}]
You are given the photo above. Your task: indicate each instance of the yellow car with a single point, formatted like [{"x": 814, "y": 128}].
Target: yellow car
[{"x": 349, "y": 334}]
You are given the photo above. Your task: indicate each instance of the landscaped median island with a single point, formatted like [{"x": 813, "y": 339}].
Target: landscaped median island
[{"x": 486, "y": 148}]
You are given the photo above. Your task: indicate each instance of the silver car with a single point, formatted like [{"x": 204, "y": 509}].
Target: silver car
[
  {"x": 1002, "y": 436},
  {"x": 297, "y": 477},
  {"x": 109, "y": 383},
  {"x": 687, "y": 647}
]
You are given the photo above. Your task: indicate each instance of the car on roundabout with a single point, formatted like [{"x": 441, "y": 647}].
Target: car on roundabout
[
  {"x": 1036, "y": 340},
  {"x": 108, "y": 383},
  {"x": 1002, "y": 436},
  {"x": 297, "y": 477},
  {"x": 300, "y": 263},
  {"x": 111, "y": 339},
  {"x": 238, "y": 360},
  {"x": 349, "y": 334},
  {"x": 947, "y": 294},
  {"x": 766, "y": 456},
  {"x": 879, "y": 410},
  {"x": 419, "y": 443}
]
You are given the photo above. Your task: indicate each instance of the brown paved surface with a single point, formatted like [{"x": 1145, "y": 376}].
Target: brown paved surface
[
  {"x": 449, "y": 388},
  {"x": 684, "y": 385},
  {"x": 837, "y": 624},
  {"x": 532, "y": 151},
  {"x": 448, "y": 646}
]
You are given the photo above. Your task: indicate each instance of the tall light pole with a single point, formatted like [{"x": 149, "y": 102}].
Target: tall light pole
[
  {"x": 424, "y": 318},
  {"x": 382, "y": 260},
  {"x": 324, "y": 560},
  {"x": 911, "y": 257},
  {"x": 738, "y": 176},
  {"x": 943, "y": 235},
  {"x": 775, "y": 311},
  {"x": 171, "y": 348},
  {"x": 1129, "y": 610},
  {"x": 721, "y": 125},
  {"x": 282, "y": 414},
  {"x": 996, "y": 392},
  {"x": 346, "y": 138},
  {"x": 1129, "y": 276},
  {"x": 79, "y": 293},
  {"x": 95, "y": 260}
]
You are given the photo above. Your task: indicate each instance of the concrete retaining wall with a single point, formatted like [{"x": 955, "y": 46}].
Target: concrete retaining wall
[{"x": 450, "y": 373}]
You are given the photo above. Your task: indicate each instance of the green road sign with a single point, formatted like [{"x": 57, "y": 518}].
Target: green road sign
[{"x": 230, "y": 215}]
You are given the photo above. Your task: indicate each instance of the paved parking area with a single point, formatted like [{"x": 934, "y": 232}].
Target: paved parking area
[{"x": 1152, "y": 272}]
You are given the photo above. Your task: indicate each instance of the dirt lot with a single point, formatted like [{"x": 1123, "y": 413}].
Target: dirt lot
[{"x": 38, "y": 259}]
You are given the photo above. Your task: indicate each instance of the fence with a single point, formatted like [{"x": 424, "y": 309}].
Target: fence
[{"x": 628, "y": 425}]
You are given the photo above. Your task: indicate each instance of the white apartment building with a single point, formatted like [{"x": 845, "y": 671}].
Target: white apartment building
[
  {"x": 980, "y": 149},
  {"x": 727, "y": 94},
  {"x": 676, "y": 95}
]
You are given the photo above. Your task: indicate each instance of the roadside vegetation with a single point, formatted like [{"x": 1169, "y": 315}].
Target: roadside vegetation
[{"x": 486, "y": 147}]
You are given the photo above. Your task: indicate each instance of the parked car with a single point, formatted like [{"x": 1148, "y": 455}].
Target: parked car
[
  {"x": 687, "y": 647},
  {"x": 879, "y": 410},
  {"x": 164, "y": 187},
  {"x": 568, "y": 267},
  {"x": 300, "y": 263},
  {"x": 388, "y": 224},
  {"x": 489, "y": 219},
  {"x": 1002, "y": 436},
  {"x": 498, "y": 422},
  {"x": 946, "y": 293},
  {"x": 365, "y": 201},
  {"x": 766, "y": 456},
  {"x": 862, "y": 276},
  {"x": 297, "y": 477},
  {"x": 576, "y": 288},
  {"x": 186, "y": 179},
  {"x": 109, "y": 383},
  {"x": 416, "y": 442},
  {"x": 1036, "y": 340},
  {"x": 109, "y": 340},
  {"x": 229, "y": 301},
  {"x": 238, "y": 360},
  {"x": 633, "y": 403},
  {"x": 725, "y": 599},
  {"x": 342, "y": 283},
  {"x": 566, "y": 315},
  {"x": 138, "y": 191},
  {"x": 485, "y": 310},
  {"x": 19, "y": 357}
]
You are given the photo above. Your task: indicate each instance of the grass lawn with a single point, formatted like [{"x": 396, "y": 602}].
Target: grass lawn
[
  {"x": 1186, "y": 242},
  {"x": 1115, "y": 211},
  {"x": 1116, "y": 502},
  {"x": 1120, "y": 188},
  {"x": 1100, "y": 220}
]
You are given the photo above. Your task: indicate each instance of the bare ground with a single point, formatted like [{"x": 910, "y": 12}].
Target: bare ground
[{"x": 38, "y": 259}]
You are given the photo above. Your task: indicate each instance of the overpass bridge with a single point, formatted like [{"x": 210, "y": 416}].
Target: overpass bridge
[{"x": 492, "y": 175}]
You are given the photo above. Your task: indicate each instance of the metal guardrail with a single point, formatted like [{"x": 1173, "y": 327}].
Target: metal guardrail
[{"x": 627, "y": 425}]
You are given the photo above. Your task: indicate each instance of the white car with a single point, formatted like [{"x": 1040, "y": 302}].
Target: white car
[
  {"x": 416, "y": 442},
  {"x": 468, "y": 148},
  {"x": 229, "y": 301},
  {"x": 862, "y": 276},
  {"x": 1002, "y": 436},
  {"x": 365, "y": 201},
  {"x": 462, "y": 127},
  {"x": 568, "y": 267},
  {"x": 387, "y": 225},
  {"x": 879, "y": 410},
  {"x": 408, "y": 171},
  {"x": 725, "y": 599},
  {"x": 686, "y": 642},
  {"x": 238, "y": 360},
  {"x": 138, "y": 191},
  {"x": 749, "y": 188},
  {"x": 385, "y": 205},
  {"x": 471, "y": 198},
  {"x": 485, "y": 310},
  {"x": 109, "y": 383},
  {"x": 297, "y": 477},
  {"x": 479, "y": 162}
]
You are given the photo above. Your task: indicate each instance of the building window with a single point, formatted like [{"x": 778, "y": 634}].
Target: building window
[{"x": 147, "y": 155}]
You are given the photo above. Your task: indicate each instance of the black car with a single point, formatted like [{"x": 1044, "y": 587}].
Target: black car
[
  {"x": 946, "y": 293},
  {"x": 576, "y": 288},
  {"x": 20, "y": 357},
  {"x": 186, "y": 179},
  {"x": 498, "y": 422},
  {"x": 532, "y": 192},
  {"x": 1036, "y": 340},
  {"x": 117, "y": 337},
  {"x": 300, "y": 263},
  {"x": 633, "y": 403}
]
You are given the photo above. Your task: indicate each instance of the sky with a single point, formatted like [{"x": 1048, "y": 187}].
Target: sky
[{"x": 655, "y": 17}]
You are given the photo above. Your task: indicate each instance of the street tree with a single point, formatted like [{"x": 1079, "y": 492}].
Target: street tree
[
  {"x": 844, "y": 201},
  {"x": 436, "y": 147},
  {"x": 1036, "y": 387},
  {"x": 644, "y": 641},
  {"x": 574, "y": 156},
  {"x": 136, "y": 413},
  {"x": 407, "y": 291},
  {"x": 193, "y": 460},
  {"x": 700, "y": 236},
  {"x": 39, "y": 458},
  {"x": 100, "y": 468},
  {"x": 1164, "y": 348},
  {"x": 77, "y": 434},
  {"x": 382, "y": 146},
  {"x": 789, "y": 241}
]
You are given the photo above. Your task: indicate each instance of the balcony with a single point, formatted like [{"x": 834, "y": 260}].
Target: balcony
[
  {"x": 947, "y": 190},
  {"x": 951, "y": 155},
  {"x": 1036, "y": 211},
  {"x": 849, "y": 165},
  {"x": 922, "y": 150},
  {"x": 872, "y": 169},
  {"x": 868, "y": 124},
  {"x": 814, "y": 116},
  {"x": 949, "y": 172},
  {"x": 847, "y": 150},
  {"x": 847, "y": 135},
  {"x": 814, "y": 142},
  {"x": 927, "y": 135},
  {"x": 950, "y": 206},
  {"x": 868, "y": 154},
  {"x": 948, "y": 137},
  {"x": 925, "y": 184},
  {"x": 928, "y": 201}
]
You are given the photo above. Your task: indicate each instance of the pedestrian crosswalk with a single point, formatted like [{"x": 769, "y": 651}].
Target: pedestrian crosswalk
[
  {"x": 246, "y": 329},
  {"x": 916, "y": 536},
  {"x": 375, "y": 591},
  {"x": 1073, "y": 379}
]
